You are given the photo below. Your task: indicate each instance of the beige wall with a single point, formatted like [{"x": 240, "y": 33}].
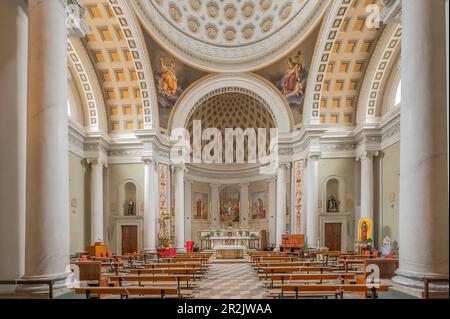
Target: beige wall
[
  {"x": 390, "y": 187},
  {"x": 343, "y": 168},
  {"x": 117, "y": 175},
  {"x": 79, "y": 186}
]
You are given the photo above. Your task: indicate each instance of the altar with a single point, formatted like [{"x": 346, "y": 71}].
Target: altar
[
  {"x": 229, "y": 252},
  {"x": 245, "y": 238}
]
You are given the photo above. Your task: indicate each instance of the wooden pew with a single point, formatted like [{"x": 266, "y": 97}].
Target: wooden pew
[
  {"x": 154, "y": 280},
  {"x": 295, "y": 278},
  {"x": 172, "y": 271},
  {"x": 133, "y": 291},
  {"x": 266, "y": 271},
  {"x": 193, "y": 265},
  {"x": 287, "y": 264},
  {"x": 338, "y": 290}
]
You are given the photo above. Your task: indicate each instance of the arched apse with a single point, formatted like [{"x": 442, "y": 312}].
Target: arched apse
[{"x": 253, "y": 86}]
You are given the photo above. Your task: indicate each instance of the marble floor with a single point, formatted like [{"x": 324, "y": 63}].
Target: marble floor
[{"x": 230, "y": 281}]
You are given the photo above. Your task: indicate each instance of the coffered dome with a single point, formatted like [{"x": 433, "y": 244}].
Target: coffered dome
[
  {"x": 232, "y": 110},
  {"x": 222, "y": 35}
]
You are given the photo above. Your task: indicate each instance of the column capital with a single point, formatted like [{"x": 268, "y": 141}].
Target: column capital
[
  {"x": 244, "y": 185},
  {"x": 367, "y": 155},
  {"x": 76, "y": 26},
  {"x": 96, "y": 161},
  {"x": 178, "y": 167},
  {"x": 272, "y": 179},
  {"x": 212, "y": 185},
  {"x": 148, "y": 160}
]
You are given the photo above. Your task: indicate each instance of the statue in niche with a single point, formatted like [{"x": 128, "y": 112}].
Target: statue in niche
[
  {"x": 168, "y": 82},
  {"x": 364, "y": 231},
  {"x": 131, "y": 207},
  {"x": 332, "y": 204}
]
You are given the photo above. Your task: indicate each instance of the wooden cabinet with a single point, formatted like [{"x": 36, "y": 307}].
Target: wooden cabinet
[
  {"x": 97, "y": 249},
  {"x": 262, "y": 239}
]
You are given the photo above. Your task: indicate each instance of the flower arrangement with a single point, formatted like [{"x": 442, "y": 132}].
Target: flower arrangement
[{"x": 166, "y": 241}]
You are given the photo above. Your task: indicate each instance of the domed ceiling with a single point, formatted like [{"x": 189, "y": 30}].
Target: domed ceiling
[
  {"x": 225, "y": 35},
  {"x": 232, "y": 110}
]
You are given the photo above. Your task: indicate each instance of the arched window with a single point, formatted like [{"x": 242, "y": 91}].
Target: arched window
[{"x": 398, "y": 94}]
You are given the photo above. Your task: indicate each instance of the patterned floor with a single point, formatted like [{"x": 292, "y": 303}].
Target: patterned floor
[{"x": 230, "y": 281}]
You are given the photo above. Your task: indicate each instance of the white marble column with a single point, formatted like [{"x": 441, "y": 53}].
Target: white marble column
[
  {"x": 304, "y": 197},
  {"x": 96, "y": 200},
  {"x": 179, "y": 207},
  {"x": 47, "y": 197},
  {"x": 281, "y": 205},
  {"x": 151, "y": 204},
  {"x": 366, "y": 184},
  {"x": 188, "y": 209},
  {"x": 244, "y": 205},
  {"x": 13, "y": 92},
  {"x": 312, "y": 237},
  {"x": 215, "y": 205},
  {"x": 272, "y": 209},
  {"x": 424, "y": 215}
]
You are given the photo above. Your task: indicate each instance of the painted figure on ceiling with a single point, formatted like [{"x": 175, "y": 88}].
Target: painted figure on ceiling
[
  {"x": 293, "y": 81},
  {"x": 168, "y": 82}
]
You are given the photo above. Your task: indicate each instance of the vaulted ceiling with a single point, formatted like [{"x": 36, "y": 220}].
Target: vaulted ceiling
[{"x": 224, "y": 36}]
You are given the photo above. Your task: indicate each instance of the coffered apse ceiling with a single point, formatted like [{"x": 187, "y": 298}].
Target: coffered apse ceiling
[{"x": 145, "y": 54}]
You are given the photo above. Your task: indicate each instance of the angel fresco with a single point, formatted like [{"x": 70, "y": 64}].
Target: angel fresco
[
  {"x": 293, "y": 81},
  {"x": 168, "y": 82}
]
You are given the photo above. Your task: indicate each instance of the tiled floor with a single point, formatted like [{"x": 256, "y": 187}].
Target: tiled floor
[{"x": 230, "y": 281}]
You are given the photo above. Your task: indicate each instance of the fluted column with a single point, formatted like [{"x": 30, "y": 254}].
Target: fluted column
[
  {"x": 96, "y": 200},
  {"x": 151, "y": 204},
  {"x": 47, "y": 199},
  {"x": 272, "y": 209},
  {"x": 215, "y": 205},
  {"x": 367, "y": 184},
  {"x": 179, "y": 206},
  {"x": 244, "y": 213},
  {"x": 13, "y": 92},
  {"x": 281, "y": 204},
  {"x": 311, "y": 205},
  {"x": 424, "y": 215}
]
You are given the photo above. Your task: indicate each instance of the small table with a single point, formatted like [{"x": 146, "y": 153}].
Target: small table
[{"x": 229, "y": 252}]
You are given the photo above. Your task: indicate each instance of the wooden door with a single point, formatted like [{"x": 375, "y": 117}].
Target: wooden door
[
  {"x": 333, "y": 236},
  {"x": 129, "y": 239}
]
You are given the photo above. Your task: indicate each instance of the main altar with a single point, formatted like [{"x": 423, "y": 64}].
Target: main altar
[{"x": 245, "y": 238}]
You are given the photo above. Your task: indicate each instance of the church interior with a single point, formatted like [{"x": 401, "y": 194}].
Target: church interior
[{"x": 224, "y": 149}]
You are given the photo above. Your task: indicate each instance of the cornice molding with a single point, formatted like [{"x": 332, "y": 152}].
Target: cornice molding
[{"x": 307, "y": 142}]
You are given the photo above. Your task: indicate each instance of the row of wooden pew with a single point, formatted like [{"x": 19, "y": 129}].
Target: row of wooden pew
[
  {"x": 132, "y": 276},
  {"x": 321, "y": 275}
]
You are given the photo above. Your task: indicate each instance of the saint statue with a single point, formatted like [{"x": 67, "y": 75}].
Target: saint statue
[
  {"x": 130, "y": 207},
  {"x": 332, "y": 205},
  {"x": 364, "y": 231}
]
